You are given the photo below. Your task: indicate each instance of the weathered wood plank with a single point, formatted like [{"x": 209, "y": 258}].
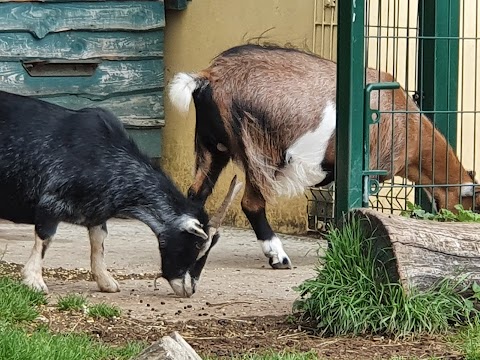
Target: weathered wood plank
[
  {"x": 137, "y": 110},
  {"x": 54, "y": 1},
  {"x": 175, "y": 4},
  {"x": 148, "y": 139},
  {"x": 75, "y": 45},
  {"x": 43, "y": 18},
  {"x": 111, "y": 77}
]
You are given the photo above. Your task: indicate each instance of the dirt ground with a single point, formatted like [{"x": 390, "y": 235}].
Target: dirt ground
[{"x": 241, "y": 305}]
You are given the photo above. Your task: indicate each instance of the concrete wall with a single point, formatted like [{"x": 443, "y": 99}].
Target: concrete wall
[{"x": 192, "y": 38}]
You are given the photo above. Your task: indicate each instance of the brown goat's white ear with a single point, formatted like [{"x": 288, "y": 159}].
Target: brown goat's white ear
[
  {"x": 193, "y": 226},
  {"x": 221, "y": 147}
]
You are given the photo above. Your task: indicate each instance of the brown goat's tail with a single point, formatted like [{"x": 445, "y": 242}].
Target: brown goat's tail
[{"x": 181, "y": 88}]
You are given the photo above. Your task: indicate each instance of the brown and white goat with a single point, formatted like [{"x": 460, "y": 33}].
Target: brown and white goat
[{"x": 273, "y": 111}]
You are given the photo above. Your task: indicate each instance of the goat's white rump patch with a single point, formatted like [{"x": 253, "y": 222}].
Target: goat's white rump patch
[
  {"x": 273, "y": 249},
  {"x": 468, "y": 189},
  {"x": 180, "y": 91},
  {"x": 304, "y": 157},
  {"x": 184, "y": 287}
]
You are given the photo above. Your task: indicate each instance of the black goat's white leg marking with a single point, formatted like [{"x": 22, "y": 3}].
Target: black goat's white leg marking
[
  {"x": 271, "y": 245},
  {"x": 105, "y": 281},
  {"x": 32, "y": 271}
]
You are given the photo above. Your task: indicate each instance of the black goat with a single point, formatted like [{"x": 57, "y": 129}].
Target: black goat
[{"x": 59, "y": 165}]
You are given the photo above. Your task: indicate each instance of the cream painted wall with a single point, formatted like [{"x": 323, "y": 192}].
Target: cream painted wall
[{"x": 192, "y": 38}]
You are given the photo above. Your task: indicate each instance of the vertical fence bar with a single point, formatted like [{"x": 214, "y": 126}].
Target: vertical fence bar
[
  {"x": 438, "y": 69},
  {"x": 350, "y": 109}
]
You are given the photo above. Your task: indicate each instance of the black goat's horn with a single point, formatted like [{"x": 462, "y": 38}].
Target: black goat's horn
[{"x": 217, "y": 218}]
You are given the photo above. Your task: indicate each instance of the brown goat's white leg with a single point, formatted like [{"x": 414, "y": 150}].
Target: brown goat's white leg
[
  {"x": 253, "y": 206},
  {"x": 32, "y": 271},
  {"x": 105, "y": 281}
]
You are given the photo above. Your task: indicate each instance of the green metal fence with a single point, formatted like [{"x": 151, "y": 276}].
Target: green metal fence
[{"x": 430, "y": 49}]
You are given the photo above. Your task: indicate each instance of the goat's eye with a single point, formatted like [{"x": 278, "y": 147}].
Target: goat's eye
[{"x": 199, "y": 245}]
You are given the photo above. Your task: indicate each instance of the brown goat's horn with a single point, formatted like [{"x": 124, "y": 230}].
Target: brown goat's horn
[{"x": 216, "y": 220}]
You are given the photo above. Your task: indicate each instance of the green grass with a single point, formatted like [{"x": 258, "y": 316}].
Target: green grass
[
  {"x": 72, "y": 302},
  {"x": 19, "y": 305},
  {"x": 75, "y": 302},
  {"x": 351, "y": 294},
  {"x": 104, "y": 310},
  {"x": 17, "y": 344},
  {"x": 468, "y": 340},
  {"x": 18, "y": 302}
]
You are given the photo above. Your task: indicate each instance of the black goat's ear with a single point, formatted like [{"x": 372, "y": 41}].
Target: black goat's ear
[{"x": 193, "y": 226}]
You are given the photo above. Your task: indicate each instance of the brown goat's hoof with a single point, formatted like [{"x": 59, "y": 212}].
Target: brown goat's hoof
[{"x": 285, "y": 264}]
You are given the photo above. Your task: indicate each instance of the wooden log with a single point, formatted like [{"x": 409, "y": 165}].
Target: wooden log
[
  {"x": 420, "y": 253},
  {"x": 172, "y": 347}
]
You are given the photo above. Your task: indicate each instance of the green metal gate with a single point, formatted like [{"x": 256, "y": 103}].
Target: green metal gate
[{"x": 430, "y": 48}]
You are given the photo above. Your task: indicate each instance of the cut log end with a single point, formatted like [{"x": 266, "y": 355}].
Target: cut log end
[{"x": 421, "y": 253}]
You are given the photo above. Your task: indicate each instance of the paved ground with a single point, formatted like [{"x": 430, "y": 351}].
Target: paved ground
[{"x": 236, "y": 281}]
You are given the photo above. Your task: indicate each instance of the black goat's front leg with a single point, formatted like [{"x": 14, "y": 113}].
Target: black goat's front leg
[
  {"x": 253, "y": 206},
  {"x": 104, "y": 279}
]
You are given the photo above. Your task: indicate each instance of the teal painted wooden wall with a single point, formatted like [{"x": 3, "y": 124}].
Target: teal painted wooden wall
[
  {"x": 89, "y": 53},
  {"x": 176, "y": 4}
]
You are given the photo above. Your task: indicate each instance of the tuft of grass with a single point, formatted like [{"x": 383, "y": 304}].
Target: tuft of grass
[
  {"x": 104, "y": 310},
  {"x": 18, "y": 306},
  {"x": 468, "y": 340},
  {"x": 73, "y": 302},
  {"x": 18, "y": 302},
  {"x": 352, "y": 294},
  {"x": 17, "y": 344}
]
